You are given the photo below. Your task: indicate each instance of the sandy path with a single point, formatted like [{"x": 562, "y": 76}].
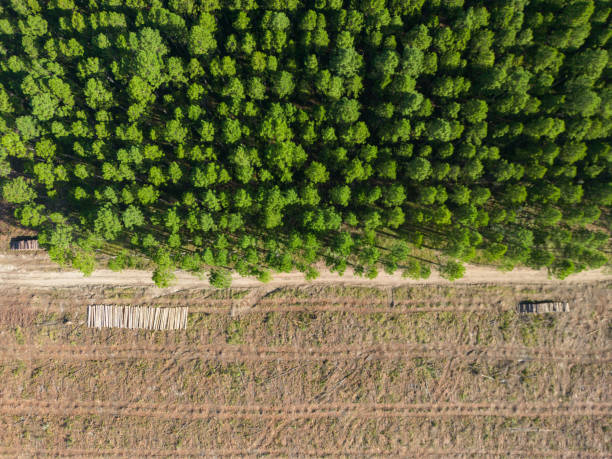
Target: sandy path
[
  {"x": 19, "y": 270},
  {"x": 242, "y": 353}
]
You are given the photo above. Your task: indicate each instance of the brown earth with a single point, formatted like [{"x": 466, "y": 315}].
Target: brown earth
[{"x": 320, "y": 370}]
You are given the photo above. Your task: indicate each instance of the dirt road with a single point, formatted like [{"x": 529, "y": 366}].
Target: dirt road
[{"x": 39, "y": 272}]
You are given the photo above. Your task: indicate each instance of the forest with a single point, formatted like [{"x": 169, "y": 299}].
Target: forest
[{"x": 222, "y": 136}]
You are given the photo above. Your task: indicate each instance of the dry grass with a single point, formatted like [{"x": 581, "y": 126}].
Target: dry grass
[{"x": 309, "y": 372}]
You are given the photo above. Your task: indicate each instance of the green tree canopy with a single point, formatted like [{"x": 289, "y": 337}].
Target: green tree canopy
[{"x": 270, "y": 136}]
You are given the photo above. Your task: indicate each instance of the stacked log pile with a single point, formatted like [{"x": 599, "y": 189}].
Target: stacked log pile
[
  {"x": 24, "y": 244},
  {"x": 539, "y": 307},
  {"x": 136, "y": 317}
]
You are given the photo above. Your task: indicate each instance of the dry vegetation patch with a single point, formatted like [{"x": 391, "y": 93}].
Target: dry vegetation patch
[{"x": 311, "y": 377}]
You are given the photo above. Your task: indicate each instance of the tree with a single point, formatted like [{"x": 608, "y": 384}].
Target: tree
[
  {"x": 452, "y": 270},
  {"x": 317, "y": 172},
  {"x": 201, "y": 40},
  {"x": 346, "y": 110},
  {"x": 132, "y": 216},
  {"x": 581, "y": 101},
  {"x": 107, "y": 224},
  {"x": 231, "y": 130},
  {"x": 418, "y": 169},
  {"x": 44, "y": 106},
  {"x": 385, "y": 65},
  {"x": 58, "y": 238},
  {"x": 27, "y": 127},
  {"x": 84, "y": 261},
  {"x": 149, "y": 56},
  {"x": 220, "y": 278},
  {"x": 96, "y": 94},
  {"x": 163, "y": 275},
  {"x": 283, "y": 84},
  {"x": 17, "y": 191},
  {"x": 475, "y": 111},
  {"x": 345, "y": 61}
]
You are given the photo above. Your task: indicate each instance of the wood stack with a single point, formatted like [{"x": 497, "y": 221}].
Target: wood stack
[
  {"x": 540, "y": 307},
  {"x": 136, "y": 317},
  {"x": 24, "y": 244}
]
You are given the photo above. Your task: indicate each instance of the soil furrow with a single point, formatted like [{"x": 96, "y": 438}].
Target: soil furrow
[
  {"x": 275, "y": 452},
  {"x": 287, "y": 353},
  {"x": 291, "y": 306},
  {"x": 305, "y": 411}
]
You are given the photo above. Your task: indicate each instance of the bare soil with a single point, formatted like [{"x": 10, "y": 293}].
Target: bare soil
[{"x": 309, "y": 370}]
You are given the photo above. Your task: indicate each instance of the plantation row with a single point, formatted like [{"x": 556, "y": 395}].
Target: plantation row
[{"x": 218, "y": 135}]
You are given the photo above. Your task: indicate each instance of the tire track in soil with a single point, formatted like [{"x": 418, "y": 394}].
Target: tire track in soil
[
  {"x": 305, "y": 411},
  {"x": 226, "y": 306},
  {"x": 348, "y": 307},
  {"x": 244, "y": 353},
  {"x": 293, "y": 452},
  {"x": 263, "y": 304},
  {"x": 290, "y": 306}
]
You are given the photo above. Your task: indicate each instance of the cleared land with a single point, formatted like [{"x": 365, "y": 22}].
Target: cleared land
[{"x": 320, "y": 370}]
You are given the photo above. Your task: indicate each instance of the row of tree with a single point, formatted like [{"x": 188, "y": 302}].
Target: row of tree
[{"x": 229, "y": 135}]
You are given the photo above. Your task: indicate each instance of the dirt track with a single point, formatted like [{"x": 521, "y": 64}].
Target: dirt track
[{"x": 26, "y": 271}]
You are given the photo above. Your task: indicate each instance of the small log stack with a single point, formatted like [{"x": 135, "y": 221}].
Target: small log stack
[
  {"x": 540, "y": 307},
  {"x": 24, "y": 244},
  {"x": 136, "y": 317}
]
